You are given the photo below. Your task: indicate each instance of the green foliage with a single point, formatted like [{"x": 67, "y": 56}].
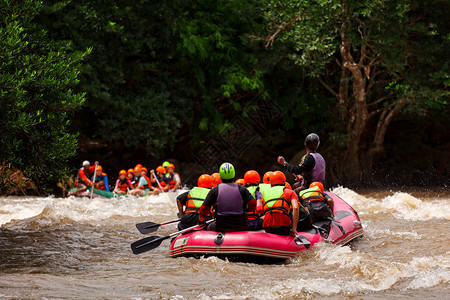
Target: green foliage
[{"x": 36, "y": 100}]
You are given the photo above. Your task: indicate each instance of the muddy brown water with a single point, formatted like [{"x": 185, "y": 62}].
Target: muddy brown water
[{"x": 78, "y": 248}]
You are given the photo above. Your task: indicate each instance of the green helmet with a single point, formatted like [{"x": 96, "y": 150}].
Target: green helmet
[
  {"x": 226, "y": 171},
  {"x": 166, "y": 164}
]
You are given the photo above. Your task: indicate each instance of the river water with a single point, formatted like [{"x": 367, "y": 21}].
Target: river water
[{"x": 80, "y": 248}]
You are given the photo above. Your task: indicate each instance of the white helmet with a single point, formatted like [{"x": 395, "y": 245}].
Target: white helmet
[{"x": 86, "y": 163}]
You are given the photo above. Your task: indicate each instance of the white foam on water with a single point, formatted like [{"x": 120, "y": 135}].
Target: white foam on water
[
  {"x": 406, "y": 206},
  {"x": 370, "y": 230},
  {"x": 363, "y": 205},
  {"x": 355, "y": 273},
  {"x": 400, "y": 205},
  {"x": 74, "y": 209}
]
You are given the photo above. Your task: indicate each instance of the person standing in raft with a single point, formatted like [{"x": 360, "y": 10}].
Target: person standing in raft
[
  {"x": 311, "y": 167},
  {"x": 101, "y": 180},
  {"x": 229, "y": 200},
  {"x": 173, "y": 178},
  {"x": 83, "y": 175},
  {"x": 276, "y": 204},
  {"x": 123, "y": 184},
  {"x": 192, "y": 201},
  {"x": 251, "y": 180}
]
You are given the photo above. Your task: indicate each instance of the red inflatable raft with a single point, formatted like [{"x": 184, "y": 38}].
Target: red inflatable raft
[{"x": 345, "y": 227}]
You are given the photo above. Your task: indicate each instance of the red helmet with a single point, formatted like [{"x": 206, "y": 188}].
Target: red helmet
[
  {"x": 123, "y": 172},
  {"x": 99, "y": 168},
  {"x": 137, "y": 169},
  {"x": 161, "y": 170},
  {"x": 287, "y": 185},
  {"x": 216, "y": 179},
  {"x": 277, "y": 178},
  {"x": 266, "y": 177},
  {"x": 317, "y": 184},
  {"x": 171, "y": 166},
  {"x": 130, "y": 171},
  {"x": 144, "y": 169},
  {"x": 205, "y": 181},
  {"x": 252, "y": 177},
  {"x": 138, "y": 165},
  {"x": 240, "y": 181}
]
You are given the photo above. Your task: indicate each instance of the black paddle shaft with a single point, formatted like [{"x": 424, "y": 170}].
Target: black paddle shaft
[
  {"x": 152, "y": 242},
  {"x": 149, "y": 227}
]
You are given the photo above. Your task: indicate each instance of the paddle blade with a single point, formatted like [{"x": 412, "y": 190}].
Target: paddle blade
[
  {"x": 147, "y": 244},
  {"x": 147, "y": 227}
]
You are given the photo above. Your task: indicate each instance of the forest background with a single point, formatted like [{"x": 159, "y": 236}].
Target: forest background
[{"x": 201, "y": 82}]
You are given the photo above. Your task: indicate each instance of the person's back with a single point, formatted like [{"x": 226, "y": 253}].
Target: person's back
[
  {"x": 251, "y": 181},
  {"x": 276, "y": 205},
  {"x": 320, "y": 205},
  {"x": 229, "y": 200},
  {"x": 192, "y": 201}
]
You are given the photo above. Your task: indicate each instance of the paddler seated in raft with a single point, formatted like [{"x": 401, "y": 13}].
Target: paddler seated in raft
[
  {"x": 311, "y": 167},
  {"x": 160, "y": 181},
  {"x": 229, "y": 200},
  {"x": 101, "y": 180},
  {"x": 251, "y": 180},
  {"x": 144, "y": 185},
  {"x": 173, "y": 178},
  {"x": 216, "y": 179},
  {"x": 137, "y": 175},
  {"x": 165, "y": 165},
  {"x": 83, "y": 175},
  {"x": 276, "y": 206},
  {"x": 192, "y": 200},
  {"x": 266, "y": 181},
  {"x": 320, "y": 205},
  {"x": 123, "y": 184},
  {"x": 130, "y": 175},
  {"x": 240, "y": 181}
]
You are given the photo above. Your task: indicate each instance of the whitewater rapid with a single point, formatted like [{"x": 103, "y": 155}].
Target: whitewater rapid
[{"x": 74, "y": 244}]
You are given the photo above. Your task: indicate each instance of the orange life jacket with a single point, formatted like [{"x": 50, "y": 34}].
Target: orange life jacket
[
  {"x": 172, "y": 182},
  {"x": 162, "y": 183},
  {"x": 145, "y": 186},
  {"x": 101, "y": 186},
  {"x": 312, "y": 195},
  {"x": 195, "y": 199},
  {"x": 123, "y": 185},
  {"x": 274, "y": 201}
]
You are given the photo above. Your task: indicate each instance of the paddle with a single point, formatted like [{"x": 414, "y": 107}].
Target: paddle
[
  {"x": 157, "y": 181},
  {"x": 93, "y": 182},
  {"x": 301, "y": 240},
  {"x": 149, "y": 227},
  {"x": 338, "y": 224},
  {"x": 153, "y": 242}
]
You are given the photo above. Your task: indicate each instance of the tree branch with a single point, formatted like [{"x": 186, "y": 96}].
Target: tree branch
[
  {"x": 272, "y": 37},
  {"x": 325, "y": 85}
]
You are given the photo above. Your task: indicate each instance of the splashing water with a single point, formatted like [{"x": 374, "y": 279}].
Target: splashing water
[{"x": 79, "y": 248}]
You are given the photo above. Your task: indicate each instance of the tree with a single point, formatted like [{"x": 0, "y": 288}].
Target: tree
[
  {"x": 363, "y": 54},
  {"x": 36, "y": 97}
]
